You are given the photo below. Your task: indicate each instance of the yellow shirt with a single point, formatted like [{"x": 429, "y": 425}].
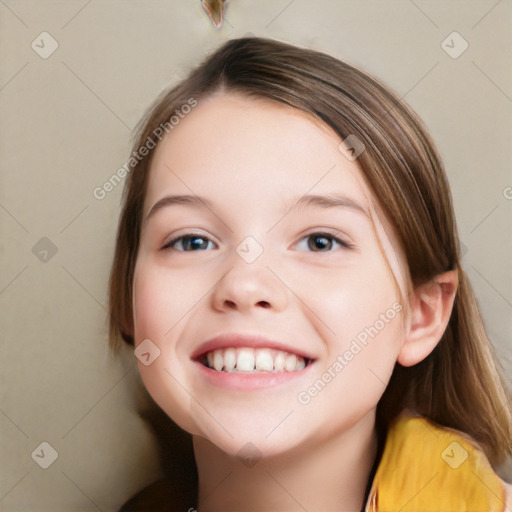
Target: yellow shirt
[{"x": 427, "y": 468}]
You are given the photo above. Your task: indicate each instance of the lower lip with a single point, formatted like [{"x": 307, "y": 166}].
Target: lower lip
[{"x": 249, "y": 381}]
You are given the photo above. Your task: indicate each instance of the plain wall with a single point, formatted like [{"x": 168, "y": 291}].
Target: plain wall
[{"x": 65, "y": 124}]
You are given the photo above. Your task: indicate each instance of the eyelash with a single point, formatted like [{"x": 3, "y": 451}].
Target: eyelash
[{"x": 344, "y": 244}]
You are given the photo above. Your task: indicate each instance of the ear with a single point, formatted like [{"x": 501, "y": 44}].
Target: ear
[{"x": 431, "y": 307}]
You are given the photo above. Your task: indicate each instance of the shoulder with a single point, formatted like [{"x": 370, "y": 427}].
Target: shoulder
[
  {"x": 431, "y": 468},
  {"x": 164, "y": 495}
]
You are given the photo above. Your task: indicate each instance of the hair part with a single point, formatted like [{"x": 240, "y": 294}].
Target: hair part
[{"x": 458, "y": 385}]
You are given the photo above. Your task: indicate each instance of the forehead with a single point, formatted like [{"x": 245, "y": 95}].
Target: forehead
[{"x": 258, "y": 147}]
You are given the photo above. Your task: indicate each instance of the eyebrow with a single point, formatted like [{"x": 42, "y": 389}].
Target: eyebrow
[
  {"x": 301, "y": 203},
  {"x": 185, "y": 200},
  {"x": 326, "y": 201}
]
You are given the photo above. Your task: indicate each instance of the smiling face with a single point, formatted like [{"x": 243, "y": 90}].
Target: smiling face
[{"x": 275, "y": 242}]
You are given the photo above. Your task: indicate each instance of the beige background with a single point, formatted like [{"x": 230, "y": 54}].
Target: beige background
[{"x": 65, "y": 125}]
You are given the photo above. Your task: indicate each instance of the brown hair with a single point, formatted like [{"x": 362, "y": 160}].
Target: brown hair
[{"x": 458, "y": 385}]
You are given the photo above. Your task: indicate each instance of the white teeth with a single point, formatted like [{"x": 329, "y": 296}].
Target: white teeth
[
  {"x": 279, "y": 361},
  {"x": 289, "y": 362},
  {"x": 218, "y": 360},
  {"x": 245, "y": 360},
  {"x": 250, "y": 360},
  {"x": 264, "y": 360},
  {"x": 229, "y": 359}
]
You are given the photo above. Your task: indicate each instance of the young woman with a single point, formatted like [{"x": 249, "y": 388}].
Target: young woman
[{"x": 287, "y": 270}]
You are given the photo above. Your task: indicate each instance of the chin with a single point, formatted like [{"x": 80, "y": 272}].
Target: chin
[{"x": 251, "y": 447}]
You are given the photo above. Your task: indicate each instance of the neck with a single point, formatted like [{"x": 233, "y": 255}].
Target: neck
[{"x": 330, "y": 475}]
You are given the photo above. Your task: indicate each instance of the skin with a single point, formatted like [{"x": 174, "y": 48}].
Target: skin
[{"x": 252, "y": 159}]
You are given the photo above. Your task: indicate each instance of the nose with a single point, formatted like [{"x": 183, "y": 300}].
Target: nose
[{"x": 248, "y": 286}]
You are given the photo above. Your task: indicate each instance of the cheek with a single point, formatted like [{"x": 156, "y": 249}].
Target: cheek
[
  {"x": 362, "y": 323},
  {"x": 161, "y": 298},
  {"x": 371, "y": 338},
  {"x": 359, "y": 362},
  {"x": 150, "y": 300},
  {"x": 158, "y": 306},
  {"x": 353, "y": 299}
]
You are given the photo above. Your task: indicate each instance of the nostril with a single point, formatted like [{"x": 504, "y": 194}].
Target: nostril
[{"x": 232, "y": 305}]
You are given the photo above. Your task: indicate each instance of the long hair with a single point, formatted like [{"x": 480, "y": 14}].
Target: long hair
[{"x": 459, "y": 384}]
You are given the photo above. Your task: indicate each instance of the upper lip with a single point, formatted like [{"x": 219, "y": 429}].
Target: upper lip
[{"x": 245, "y": 340}]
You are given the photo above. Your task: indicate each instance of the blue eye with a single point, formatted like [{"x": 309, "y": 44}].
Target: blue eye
[
  {"x": 189, "y": 243},
  {"x": 316, "y": 242},
  {"x": 324, "y": 242}
]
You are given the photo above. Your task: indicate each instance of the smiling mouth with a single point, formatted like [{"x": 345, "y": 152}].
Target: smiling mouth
[{"x": 253, "y": 360}]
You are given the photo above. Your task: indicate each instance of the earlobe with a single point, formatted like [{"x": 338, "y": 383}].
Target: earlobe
[{"x": 431, "y": 307}]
